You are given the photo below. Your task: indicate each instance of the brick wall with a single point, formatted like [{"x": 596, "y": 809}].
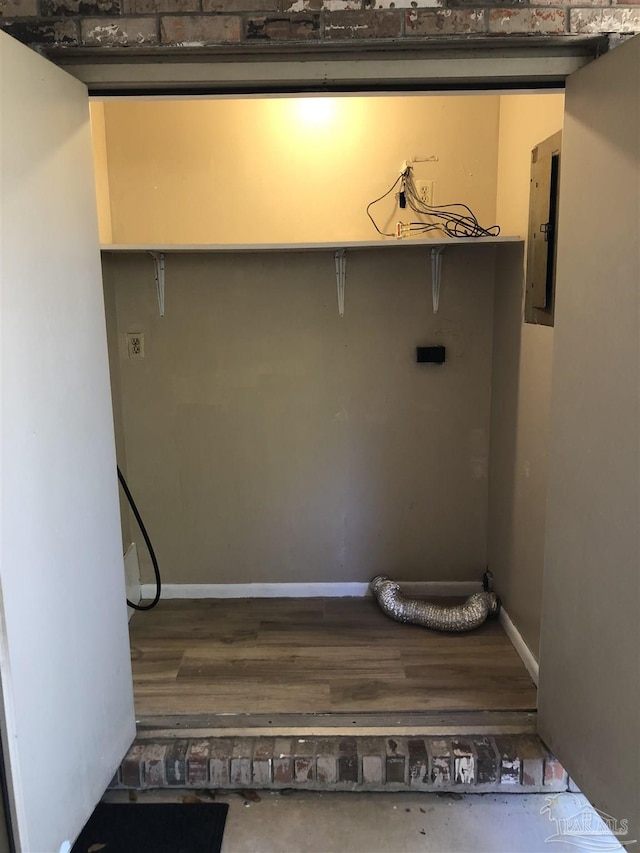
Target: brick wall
[{"x": 197, "y": 23}]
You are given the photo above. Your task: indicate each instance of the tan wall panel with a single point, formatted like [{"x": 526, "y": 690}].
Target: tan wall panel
[
  {"x": 290, "y": 169},
  {"x": 522, "y": 381},
  {"x": 269, "y": 440},
  {"x": 116, "y": 393},
  {"x": 590, "y": 649},
  {"x": 101, "y": 170}
]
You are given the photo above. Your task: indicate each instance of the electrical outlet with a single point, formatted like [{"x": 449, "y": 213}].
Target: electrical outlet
[
  {"x": 425, "y": 191},
  {"x": 135, "y": 344}
]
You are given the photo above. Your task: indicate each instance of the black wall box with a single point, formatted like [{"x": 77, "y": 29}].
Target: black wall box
[{"x": 430, "y": 355}]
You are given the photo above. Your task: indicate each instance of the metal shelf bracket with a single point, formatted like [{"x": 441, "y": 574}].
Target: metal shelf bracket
[
  {"x": 158, "y": 266},
  {"x": 341, "y": 274},
  {"x": 436, "y": 275}
]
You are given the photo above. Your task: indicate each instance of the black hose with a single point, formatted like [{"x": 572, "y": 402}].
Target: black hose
[{"x": 134, "y": 508}]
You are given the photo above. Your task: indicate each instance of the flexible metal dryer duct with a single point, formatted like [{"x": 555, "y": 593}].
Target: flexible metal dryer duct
[{"x": 460, "y": 617}]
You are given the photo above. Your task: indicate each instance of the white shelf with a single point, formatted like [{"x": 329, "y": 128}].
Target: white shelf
[
  {"x": 436, "y": 246},
  {"x": 389, "y": 243}
]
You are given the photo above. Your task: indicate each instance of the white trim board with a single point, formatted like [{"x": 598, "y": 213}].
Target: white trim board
[
  {"x": 517, "y": 641},
  {"x": 244, "y": 248},
  {"x": 304, "y": 590}
]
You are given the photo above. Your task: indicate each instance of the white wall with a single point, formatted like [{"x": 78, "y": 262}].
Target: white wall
[{"x": 66, "y": 677}]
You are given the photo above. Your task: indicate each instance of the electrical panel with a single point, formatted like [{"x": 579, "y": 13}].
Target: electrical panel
[{"x": 541, "y": 244}]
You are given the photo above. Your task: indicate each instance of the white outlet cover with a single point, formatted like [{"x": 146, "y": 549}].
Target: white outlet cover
[
  {"x": 425, "y": 191},
  {"x": 135, "y": 344}
]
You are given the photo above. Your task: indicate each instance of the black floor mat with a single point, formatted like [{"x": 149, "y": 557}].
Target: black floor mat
[{"x": 154, "y": 828}]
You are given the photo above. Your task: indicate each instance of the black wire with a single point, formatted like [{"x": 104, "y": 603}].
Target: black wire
[
  {"x": 371, "y": 203},
  {"x": 455, "y": 220},
  {"x": 143, "y": 529}
]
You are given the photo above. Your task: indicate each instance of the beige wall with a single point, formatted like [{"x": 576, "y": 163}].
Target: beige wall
[
  {"x": 521, "y": 381},
  {"x": 254, "y": 148},
  {"x": 101, "y": 169},
  {"x": 287, "y": 169},
  {"x": 116, "y": 391},
  {"x": 590, "y": 650},
  {"x": 268, "y": 439}
]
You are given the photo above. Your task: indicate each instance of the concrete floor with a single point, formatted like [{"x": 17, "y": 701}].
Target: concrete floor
[{"x": 307, "y": 822}]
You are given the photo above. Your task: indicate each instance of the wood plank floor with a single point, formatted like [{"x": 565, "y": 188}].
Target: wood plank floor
[{"x": 255, "y": 656}]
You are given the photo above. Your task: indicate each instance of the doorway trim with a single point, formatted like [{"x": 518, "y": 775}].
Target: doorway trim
[{"x": 472, "y": 65}]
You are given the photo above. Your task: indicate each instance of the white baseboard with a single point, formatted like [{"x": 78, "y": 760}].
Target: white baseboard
[
  {"x": 132, "y": 576},
  {"x": 304, "y": 590},
  {"x": 517, "y": 640}
]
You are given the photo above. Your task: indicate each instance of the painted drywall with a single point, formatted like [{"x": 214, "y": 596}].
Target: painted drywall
[
  {"x": 101, "y": 170},
  {"x": 289, "y": 169},
  {"x": 270, "y": 440},
  {"x": 116, "y": 400},
  {"x": 521, "y": 381},
  {"x": 64, "y": 658},
  {"x": 590, "y": 643}
]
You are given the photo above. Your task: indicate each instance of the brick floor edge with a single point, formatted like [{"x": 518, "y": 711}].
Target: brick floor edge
[{"x": 470, "y": 764}]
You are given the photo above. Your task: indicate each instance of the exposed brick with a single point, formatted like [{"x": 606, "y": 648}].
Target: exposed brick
[
  {"x": 363, "y": 25},
  {"x": 527, "y": 21},
  {"x": 131, "y": 767},
  {"x": 554, "y": 772},
  {"x": 153, "y": 764},
  {"x": 370, "y": 751},
  {"x": 445, "y": 22},
  {"x": 283, "y": 770},
  {"x": 327, "y": 769},
  {"x": 348, "y": 760},
  {"x": 509, "y": 760},
  {"x": 176, "y": 763},
  {"x": 464, "y": 762},
  {"x": 487, "y": 762},
  {"x": 618, "y": 20},
  {"x": 199, "y": 30},
  {"x": 148, "y": 7},
  {"x": 418, "y": 762},
  {"x": 57, "y": 8},
  {"x": 262, "y": 761},
  {"x": 106, "y": 32},
  {"x": 241, "y": 755},
  {"x": 322, "y": 5},
  {"x": 327, "y": 761},
  {"x": 283, "y": 761},
  {"x": 304, "y": 761},
  {"x": 578, "y": 2},
  {"x": 440, "y": 752},
  {"x": 219, "y": 761},
  {"x": 395, "y": 765},
  {"x": 372, "y": 769},
  {"x": 18, "y": 8},
  {"x": 471, "y": 3},
  {"x": 229, "y": 6},
  {"x": 532, "y": 755},
  {"x": 282, "y": 27},
  {"x": 571, "y": 786},
  {"x": 198, "y": 762},
  {"x": 303, "y": 770},
  {"x": 404, "y": 4},
  {"x": 50, "y": 33}
]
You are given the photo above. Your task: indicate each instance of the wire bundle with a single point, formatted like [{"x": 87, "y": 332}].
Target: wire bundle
[{"x": 454, "y": 220}]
